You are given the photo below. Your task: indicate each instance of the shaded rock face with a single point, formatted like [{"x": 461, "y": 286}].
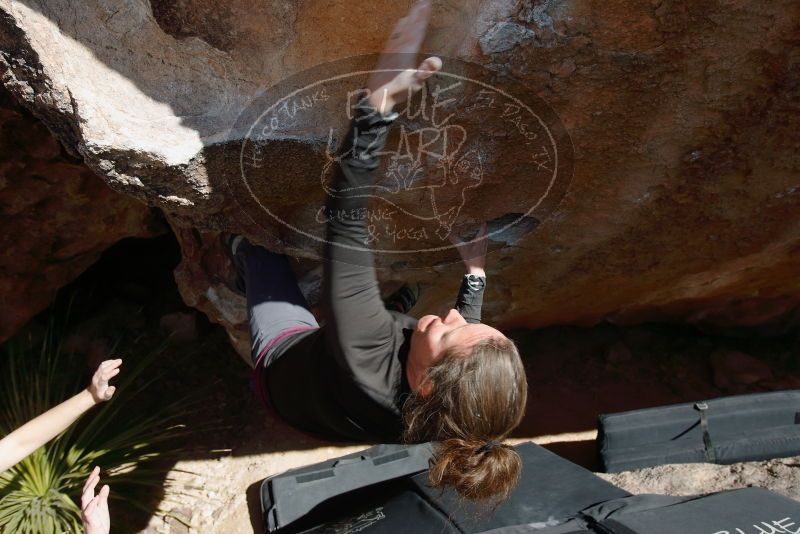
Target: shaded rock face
[
  {"x": 57, "y": 216},
  {"x": 203, "y": 287},
  {"x": 683, "y": 188}
]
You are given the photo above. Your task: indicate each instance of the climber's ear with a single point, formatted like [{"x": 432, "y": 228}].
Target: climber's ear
[{"x": 426, "y": 387}]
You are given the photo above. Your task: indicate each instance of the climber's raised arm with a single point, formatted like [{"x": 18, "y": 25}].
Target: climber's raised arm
[
  {"x": 359, "y": 327},
  {"x": 360, "y": 330}
]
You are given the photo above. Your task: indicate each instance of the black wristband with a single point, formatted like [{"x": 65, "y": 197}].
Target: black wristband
[{"x": 475, "y": 282}]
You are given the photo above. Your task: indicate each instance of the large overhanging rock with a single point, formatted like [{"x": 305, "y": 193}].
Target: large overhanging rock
[{"x": 680, "y": 199}]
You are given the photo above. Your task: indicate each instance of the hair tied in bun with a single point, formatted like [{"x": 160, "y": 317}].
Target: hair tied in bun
[{"x": 488, "y": 446}]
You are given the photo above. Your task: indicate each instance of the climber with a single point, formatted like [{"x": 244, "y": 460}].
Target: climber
[
  {"x": 370, "y": 374},
  {"x": 35, "y": 433}
]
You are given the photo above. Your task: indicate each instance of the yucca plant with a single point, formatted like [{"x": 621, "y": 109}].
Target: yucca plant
[{"x": 128, "y": 437}]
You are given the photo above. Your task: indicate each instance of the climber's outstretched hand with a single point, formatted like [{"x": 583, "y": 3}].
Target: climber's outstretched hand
[
  {"x": 473, "y": 252},
  {"x": 397, "y": 76}
]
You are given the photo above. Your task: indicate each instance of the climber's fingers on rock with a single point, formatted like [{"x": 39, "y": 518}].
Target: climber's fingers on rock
[{"x": 428, "y": 67}]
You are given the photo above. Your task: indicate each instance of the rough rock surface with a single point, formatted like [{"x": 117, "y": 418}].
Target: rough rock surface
[
  {"x": 683, "y": 201},
  {"x": 779, "y": 475},
  {"x": 732, "y": 368},
  {"x": 57, "y": 216},
  {"x": 201, "y": 287}
]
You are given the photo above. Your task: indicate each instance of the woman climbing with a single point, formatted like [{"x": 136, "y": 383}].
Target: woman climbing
[{"x": 370, "y": 374}]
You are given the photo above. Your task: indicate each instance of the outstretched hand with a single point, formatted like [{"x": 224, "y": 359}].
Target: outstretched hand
[
  {"x": 94, "y": 508},
  {"x": 402, "y": 77},
  {"x": 99, "y": 387},
  {"x": 473, "y": 252}
]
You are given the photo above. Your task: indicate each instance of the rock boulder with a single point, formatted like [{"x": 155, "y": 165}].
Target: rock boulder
[
  {"x": 57, "y": 216},
  {"x": 678, "y": 195}
]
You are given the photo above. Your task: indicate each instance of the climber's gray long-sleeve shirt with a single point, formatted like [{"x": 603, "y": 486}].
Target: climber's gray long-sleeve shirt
[{"x": 347, "y": 379}]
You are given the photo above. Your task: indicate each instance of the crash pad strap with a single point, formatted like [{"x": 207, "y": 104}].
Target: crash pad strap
[{"x": 702, "y": 407}]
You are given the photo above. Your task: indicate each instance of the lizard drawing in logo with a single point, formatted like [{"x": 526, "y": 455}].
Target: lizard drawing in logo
[{"x": 426, "y": 178}]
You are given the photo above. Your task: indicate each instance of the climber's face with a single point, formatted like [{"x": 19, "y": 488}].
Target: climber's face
[{"x": 434, "y": 335}]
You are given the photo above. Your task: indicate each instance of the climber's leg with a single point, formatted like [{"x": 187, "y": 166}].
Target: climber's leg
[{"x": 275, "y": 306}]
